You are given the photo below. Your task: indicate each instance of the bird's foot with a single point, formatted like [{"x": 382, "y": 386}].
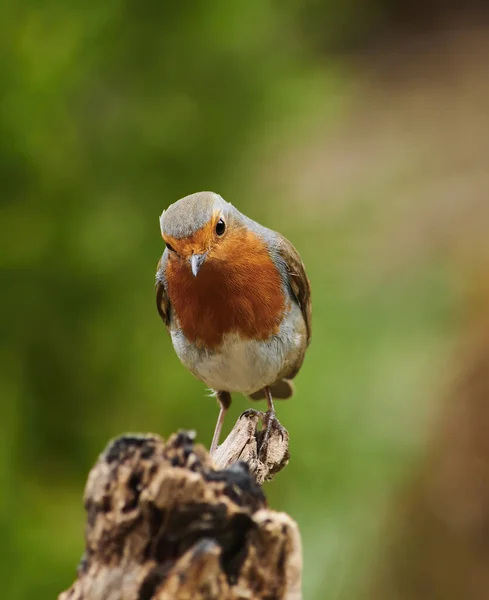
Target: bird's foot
[
  {"x": 252, "y": 412},
  {"x": 272, "y": 426}
]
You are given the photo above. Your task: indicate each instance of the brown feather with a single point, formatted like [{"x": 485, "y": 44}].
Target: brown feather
[
  {"x": 163, "y": 303},
  {"x": 298, "y": 280}
]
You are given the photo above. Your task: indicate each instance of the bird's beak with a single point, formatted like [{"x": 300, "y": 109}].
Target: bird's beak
[{"x": 196, "y": 262}]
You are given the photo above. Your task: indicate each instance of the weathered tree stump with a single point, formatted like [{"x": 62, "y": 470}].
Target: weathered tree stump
[{"x": 164, "y": 522}]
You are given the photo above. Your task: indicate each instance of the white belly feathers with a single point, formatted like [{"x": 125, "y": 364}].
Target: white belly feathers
[{"x": 245, "y": 366}]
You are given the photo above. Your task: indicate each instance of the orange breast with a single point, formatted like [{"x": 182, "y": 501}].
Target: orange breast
[{"x": 238, "y": 290}]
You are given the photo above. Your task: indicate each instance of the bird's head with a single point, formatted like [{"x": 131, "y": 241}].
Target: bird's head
[{"x": 195, "y": 227}]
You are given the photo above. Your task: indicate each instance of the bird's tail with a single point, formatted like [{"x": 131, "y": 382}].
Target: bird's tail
[{"x": 281, "y": 390}]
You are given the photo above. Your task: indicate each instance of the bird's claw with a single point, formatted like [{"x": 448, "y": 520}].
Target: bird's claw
[{"x": 271, "y": 425}]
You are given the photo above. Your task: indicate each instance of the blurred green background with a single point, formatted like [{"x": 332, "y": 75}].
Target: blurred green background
[{"x": 357, "y": 129}]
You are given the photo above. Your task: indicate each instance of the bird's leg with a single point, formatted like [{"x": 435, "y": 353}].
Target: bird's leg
[
  {"x": 271, "y": 423},
  {"x": 270, "y": 418},
  {"x": 268, "y": 396},
  {"x": 224, "y": 399}
]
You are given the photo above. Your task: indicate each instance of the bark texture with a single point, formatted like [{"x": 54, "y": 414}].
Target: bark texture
[{"x": 164, "y": 522}]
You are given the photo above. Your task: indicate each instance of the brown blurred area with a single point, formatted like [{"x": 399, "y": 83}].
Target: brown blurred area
[
  {"x": 437, "y": 538},
  {"x": 417, "y": 133},
  {"x": 435, "y": 543}
]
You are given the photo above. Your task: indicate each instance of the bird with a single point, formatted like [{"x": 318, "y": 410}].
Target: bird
[{"x": 235, "y": 298}]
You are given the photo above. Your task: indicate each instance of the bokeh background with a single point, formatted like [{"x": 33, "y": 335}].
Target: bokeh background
[{"x": 358, "y": 129}]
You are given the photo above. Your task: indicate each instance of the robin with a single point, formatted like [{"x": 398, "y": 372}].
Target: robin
[{"x": 236, "y": 300}]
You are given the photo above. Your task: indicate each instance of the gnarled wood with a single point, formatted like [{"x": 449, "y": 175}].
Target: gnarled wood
[
  {"x": 163, "y": 522},
  {"x": 245, "y": 443}
]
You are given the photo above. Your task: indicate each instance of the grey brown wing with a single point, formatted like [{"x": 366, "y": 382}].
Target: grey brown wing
[
  {"x": 297, "y": 279},
  {"x": 162, "y": 299},
  {"x": 293, "y": 270}
]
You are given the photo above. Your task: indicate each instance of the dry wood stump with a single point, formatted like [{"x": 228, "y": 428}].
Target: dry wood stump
[{"x": 167, "y": 521}]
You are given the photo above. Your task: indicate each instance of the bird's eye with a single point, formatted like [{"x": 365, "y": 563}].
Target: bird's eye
[
  {"x": 170, "y": 248},
  {"x": 220, "y": 227}
]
